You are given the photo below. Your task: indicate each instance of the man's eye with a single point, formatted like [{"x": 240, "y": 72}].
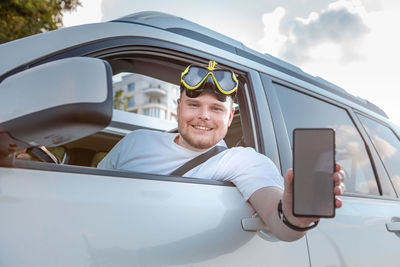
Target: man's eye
[
  {"x": 193, "y": 105},
  {"x": 217, "y": 109}
]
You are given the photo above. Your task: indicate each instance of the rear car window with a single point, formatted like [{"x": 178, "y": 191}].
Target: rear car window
[
  {"x": 387, "y": 145},
  {"x": 303, "y": 111}
]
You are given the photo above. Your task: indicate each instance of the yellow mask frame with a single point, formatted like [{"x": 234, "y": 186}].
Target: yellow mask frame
[{"x": 211, "y": 69}]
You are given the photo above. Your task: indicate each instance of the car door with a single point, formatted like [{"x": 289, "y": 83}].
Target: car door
[
  {"x": 66, "y": 215},
  {"x": 362, "y": 233},
  {"x": 71, "y": 216}
]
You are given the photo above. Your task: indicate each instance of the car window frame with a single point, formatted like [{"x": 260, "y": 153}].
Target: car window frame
[{"x": 101, "y": 47}]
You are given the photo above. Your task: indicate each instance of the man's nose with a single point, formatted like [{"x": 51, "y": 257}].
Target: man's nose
[{"x": 204, "y": 114}]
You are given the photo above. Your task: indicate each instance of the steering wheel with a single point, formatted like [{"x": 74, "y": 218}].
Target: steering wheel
[{"x": 42, "y": 154}]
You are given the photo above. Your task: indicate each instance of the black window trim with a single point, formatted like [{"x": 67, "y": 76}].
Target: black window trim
[{"x": 279, "y": 126}]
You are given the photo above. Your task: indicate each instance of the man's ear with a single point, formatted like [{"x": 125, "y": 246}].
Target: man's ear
[
  {"x": 231, "y": 116},
  {"x": 178, "y": 107}
]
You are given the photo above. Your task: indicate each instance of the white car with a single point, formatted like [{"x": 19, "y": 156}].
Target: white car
[{"x": 56, "y": 90}]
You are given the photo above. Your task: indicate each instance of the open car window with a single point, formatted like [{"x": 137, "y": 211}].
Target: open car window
[
  {"x": 142, "y": 94},
  {"x": 146, "y": 89}
]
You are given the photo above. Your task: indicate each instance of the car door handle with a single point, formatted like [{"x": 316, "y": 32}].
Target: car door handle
[
  {"x": 253, "y": 224},
  {"x": 393, "y": 226}
]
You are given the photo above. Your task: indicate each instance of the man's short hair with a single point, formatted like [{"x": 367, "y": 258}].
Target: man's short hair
[{"x": 231, "y": 98}]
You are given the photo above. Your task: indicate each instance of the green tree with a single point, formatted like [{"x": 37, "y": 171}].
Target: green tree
[
  {"x": 20, "y": 18},
  {"x": 121, "y": 101}
]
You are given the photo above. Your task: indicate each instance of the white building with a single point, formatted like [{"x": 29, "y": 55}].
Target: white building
[{"x": 149, "y": 96}]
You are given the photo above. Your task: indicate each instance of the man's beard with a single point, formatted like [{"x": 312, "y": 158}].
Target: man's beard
[{"x": 197, "y": 144}]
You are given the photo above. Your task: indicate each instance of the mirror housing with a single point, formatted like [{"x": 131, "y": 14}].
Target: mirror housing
[{"x": 55, "y": 103}]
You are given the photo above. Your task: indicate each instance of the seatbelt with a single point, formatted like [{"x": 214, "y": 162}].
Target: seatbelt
[{"x": 198, "y": 160}]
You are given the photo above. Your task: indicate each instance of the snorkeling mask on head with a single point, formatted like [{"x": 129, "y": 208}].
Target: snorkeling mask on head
[{"x": 197, "y": 79}]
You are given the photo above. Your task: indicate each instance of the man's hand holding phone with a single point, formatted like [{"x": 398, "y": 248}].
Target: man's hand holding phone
[
  {"x": 317, "y": 184},
  {"x": 312, "y": 186},
  {"x": 287, "y": 201}
]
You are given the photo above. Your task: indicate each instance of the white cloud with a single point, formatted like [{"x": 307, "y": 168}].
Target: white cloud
[
  {"x": 376, "y": 77},
  {"x": 340, "y": 24},
  {"x": 273, "y": 40},
  {"x": 312, "y": 17},
  {"x": 353, "y": 46}
]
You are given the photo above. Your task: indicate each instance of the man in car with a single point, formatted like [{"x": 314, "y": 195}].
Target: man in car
[{"x": 205, "y": 111}]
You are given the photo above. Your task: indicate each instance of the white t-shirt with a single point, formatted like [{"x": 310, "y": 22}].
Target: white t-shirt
[{"x": 156, "y": 152}]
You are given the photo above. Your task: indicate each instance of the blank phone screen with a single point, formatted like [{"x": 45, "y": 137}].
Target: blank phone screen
[{"x": 313, "y": 168}]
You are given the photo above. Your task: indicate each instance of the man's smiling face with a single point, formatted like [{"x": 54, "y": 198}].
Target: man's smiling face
[{"x": 202, "y": 121}]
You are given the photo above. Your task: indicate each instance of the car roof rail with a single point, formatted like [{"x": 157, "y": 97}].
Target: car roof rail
[{"x": 183, "y": 27}]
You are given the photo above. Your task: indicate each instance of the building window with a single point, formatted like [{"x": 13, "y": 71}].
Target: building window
[
  {"x": 155, "y": 112},
  {"x": 154, "y": 100},
  {"x": 131, "y": 102},
  {"x": 131, "y": 87}
]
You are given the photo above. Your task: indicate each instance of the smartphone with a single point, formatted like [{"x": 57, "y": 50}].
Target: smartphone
[{"x": 313, "y": 168}]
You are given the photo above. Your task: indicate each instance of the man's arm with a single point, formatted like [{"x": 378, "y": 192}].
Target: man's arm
[{"x": 265, "y": 202}]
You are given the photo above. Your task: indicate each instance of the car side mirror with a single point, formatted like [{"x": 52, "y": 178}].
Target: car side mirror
[{"x": 55, "y": 103}]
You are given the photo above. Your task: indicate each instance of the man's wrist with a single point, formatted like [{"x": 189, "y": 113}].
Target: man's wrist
[{"x": 283, "y": 218}]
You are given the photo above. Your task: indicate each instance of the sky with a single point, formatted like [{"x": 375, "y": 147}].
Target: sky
[{"x": 351, "y": 43}]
